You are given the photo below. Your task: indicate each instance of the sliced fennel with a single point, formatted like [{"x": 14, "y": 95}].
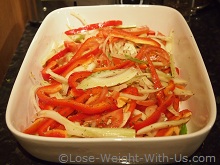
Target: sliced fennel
[
  {"x": 57, "y": 77},
  {"x": 183, "y": 92},
  {"x": 110, "y": 79},
  {"x": 163, "y": 124},
  {"x": 74, "y": 129},
  {"x": 134, "y": 97}
]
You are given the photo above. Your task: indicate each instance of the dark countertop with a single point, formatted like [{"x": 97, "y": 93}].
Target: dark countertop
[{"x": 205, "y": 26}]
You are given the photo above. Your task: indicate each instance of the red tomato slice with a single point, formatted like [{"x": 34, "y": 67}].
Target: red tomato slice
[
  {"x": 111, "y": 119},
  {"x": 158, "y": 54}
]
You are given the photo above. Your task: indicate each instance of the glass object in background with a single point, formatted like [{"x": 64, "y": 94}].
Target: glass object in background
[
  {"x": 199, "y": 4},
  {"x": 183, "y": 6}
]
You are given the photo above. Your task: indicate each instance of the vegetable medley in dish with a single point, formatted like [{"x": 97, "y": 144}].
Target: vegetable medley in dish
[{"x": 111, "y": 80}]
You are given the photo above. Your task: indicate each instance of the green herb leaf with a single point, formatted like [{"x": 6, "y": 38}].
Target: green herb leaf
[{"x": 135, "y": 60}]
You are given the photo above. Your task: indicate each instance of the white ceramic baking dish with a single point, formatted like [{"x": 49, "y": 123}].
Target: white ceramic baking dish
[{"x": 110, "y": 150}]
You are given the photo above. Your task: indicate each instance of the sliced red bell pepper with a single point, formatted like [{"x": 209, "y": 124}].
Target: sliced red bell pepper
[
  {"x": 94, "y": 26},
  {"x": 146, "y": 103},
  {"x": 166, "y": 131},
  {"x": 169, "y": 88},
  {"x": 79, "y": 117},
  {"x": 49, "y": 123},
  {"x": 44, "y": 73},
  {"x": 58, "y": 133},
  {"x": 32, "y": 130},
  {"x": 88, "y": 93},
  {"x": 156, "y": 80},
  {"x": 156, "y": 115},
  {"x": 176, "y": 103},
  {"x": 59, "y": 55},
  {"x": 128, "y": 36},
  {"x": 91, "y": 46},
  {"x": 130, "y": 90},
  {"x": 66, "y": 68},
  {"x": 71, "y": 46},
  {"x": 88, "y": 50},
  {"x": 101, "y": 95},
  {"x": 77, "y": 76},
  {"x": 105, "y": 105},
  {"x": 133, "y": 120}
]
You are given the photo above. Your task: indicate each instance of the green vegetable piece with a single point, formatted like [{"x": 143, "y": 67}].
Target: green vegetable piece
[{"x": 183, "y": 129}]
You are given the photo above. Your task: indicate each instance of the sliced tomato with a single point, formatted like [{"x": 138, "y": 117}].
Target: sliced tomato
[
  {"x": 158, "y": 54},
  {"x": 111, "y": 119}
]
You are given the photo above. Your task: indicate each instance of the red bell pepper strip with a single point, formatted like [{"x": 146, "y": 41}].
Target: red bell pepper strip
[
  {"x": 76, "y": 76},
  {"x": 130, "y": 90},
  {"x": 49, "y": 123},
  {"x": 90, "y": 46},
  {"x": 59, "y": 55},
  {"x": 165, "y": 131},
  {"x": 72, "y": 81},
  {"x": 101, "y": 95},
  {"x": 44, "y": 73},
  {"x": 156, "y": 80},
  {"x": 58, "y": 133},
  {"x": 85, "y": 95},
  {"x": 154, "y": 75},
  {"x": 146, "y": 103},
  {"x": 128, "y": 36},
  {"x": 32, "y": 130},
  {"x": 105, "y": 105},
  {"x": 176, "y": 103},
  {"x": 71, "y": 46},
  {"x": 65, "y": 69},
  {"x": 79, "y": 117},
  {"x": 133, "y": 120},
  {"x": 94, "y": 26},
  {"x": 156, "y": 115},
  {"x": 169, "y": 88}
]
